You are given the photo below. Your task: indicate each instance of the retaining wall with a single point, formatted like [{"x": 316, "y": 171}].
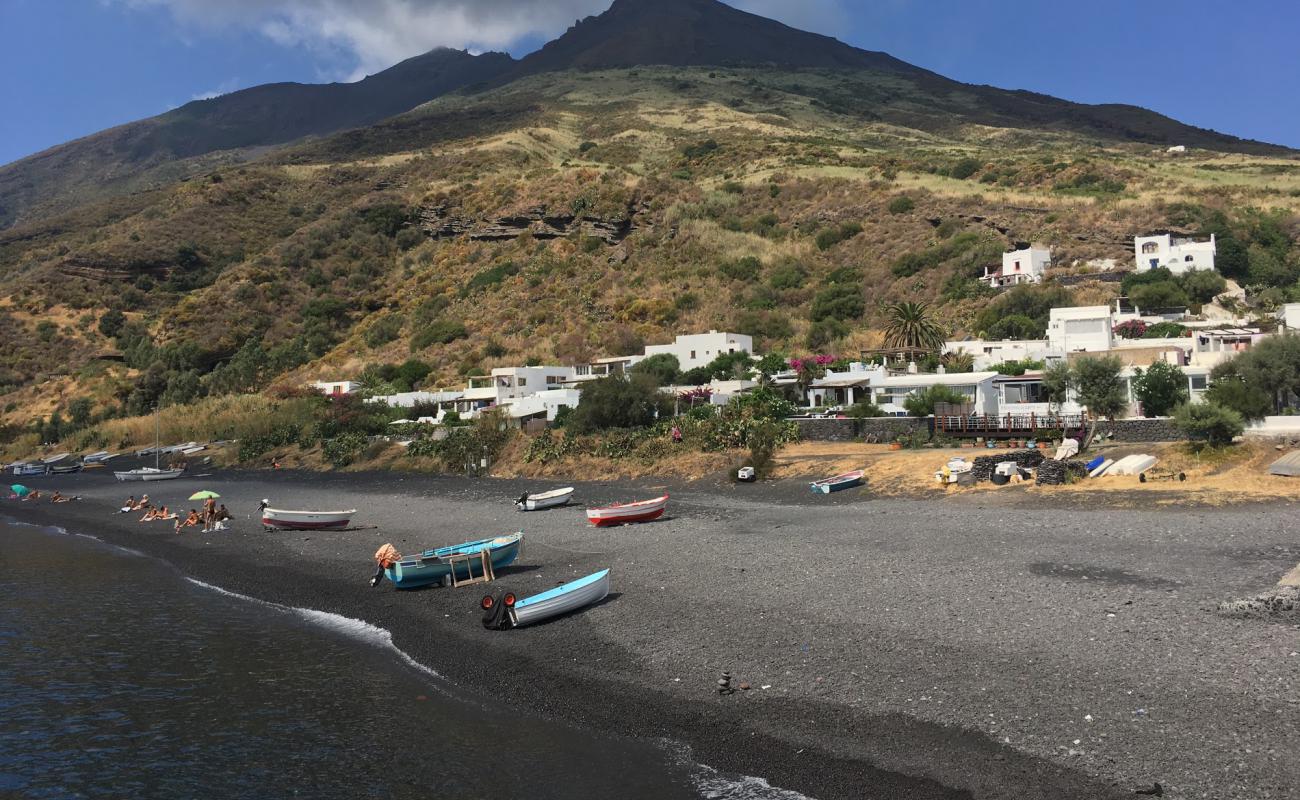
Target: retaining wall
[
  {"x": 1159, "y": 429},
  {"x": 885, "y": 429}
]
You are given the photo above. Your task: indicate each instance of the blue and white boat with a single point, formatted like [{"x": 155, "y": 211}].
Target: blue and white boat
[
  {"x": 839, "y": 483},
  {"x": 505, "y": 612},
  {"x": 433, "y": 567}
]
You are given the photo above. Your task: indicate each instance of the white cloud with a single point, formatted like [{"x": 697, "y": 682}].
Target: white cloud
[
  {"x": 226, "y": 87},
  {"x": 370, "y": 35}
]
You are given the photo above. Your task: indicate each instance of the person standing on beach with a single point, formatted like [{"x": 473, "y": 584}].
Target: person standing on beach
[{"x": 209, "y": 514}]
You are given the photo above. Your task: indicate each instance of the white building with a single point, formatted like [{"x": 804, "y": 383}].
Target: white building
[
  {"x": 1178, "y": 255},
  {"x": 698, "y": 349},
  {"x": 1289, "y": 316},
  {"x": 889, "y": 392},
  {"x": 1019, "y": 266},
  {"x": 1080, "y": 328},
  {"x": 336, "y": 388},
  {"x": 604, "y": 368},
  {"x": 990, "y": 352}
]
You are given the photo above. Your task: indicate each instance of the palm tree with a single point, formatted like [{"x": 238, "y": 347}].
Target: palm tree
[{"x": 910, "y": 326}]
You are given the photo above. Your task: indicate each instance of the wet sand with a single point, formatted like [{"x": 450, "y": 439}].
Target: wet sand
[{"x": 920, "y": 649}]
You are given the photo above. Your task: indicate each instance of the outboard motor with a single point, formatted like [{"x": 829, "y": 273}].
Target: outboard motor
[
  {"x": 496, "y": 611},
  {"x": 523, "y": 498}
]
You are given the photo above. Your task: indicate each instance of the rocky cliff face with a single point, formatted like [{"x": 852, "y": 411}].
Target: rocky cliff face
[{"x": 443, "y": 221}]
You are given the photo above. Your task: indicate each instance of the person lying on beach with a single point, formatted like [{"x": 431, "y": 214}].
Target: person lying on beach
[
  {"x": 59, "y": 498},
  {"x": 129, "y": 505},
  {"x": 150, "y": 514},
  {"x": 166, "y": 515},
  {"x": 33, "y": 495}
]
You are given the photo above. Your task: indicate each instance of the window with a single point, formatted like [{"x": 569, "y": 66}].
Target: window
[
  {"x": 553, "y": 379},
  {"x": 523, "y": 381},
  {"x": 1197, "y": 382},
  {"x": 692, "y": 355},
  {"x": 1188, "y": 258},
  {"x": 1150, "y": 247},
  {"x": 1023, "y": 393},
  {"x": 582, "y": 370}
]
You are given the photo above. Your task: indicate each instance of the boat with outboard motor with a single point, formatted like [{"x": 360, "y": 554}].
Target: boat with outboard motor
[
  {"x": 551, "y": 499},
  {"x": 504, "y": 611},
  {"x": 434, "y": 567}
]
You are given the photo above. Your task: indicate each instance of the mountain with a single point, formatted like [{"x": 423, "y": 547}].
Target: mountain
[
  {"x": 232, "y": 127},
  {"x": 696, "y": 33}
]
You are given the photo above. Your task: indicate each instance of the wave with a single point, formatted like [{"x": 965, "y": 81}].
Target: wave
[
  {"x": 347, "y": 626},
  {"x": 713, "y": 785},
  {"x": 61, "y": 531}
]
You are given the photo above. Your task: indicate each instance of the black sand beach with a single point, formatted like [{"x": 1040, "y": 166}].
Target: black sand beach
[{"x": 937, "y": 649}]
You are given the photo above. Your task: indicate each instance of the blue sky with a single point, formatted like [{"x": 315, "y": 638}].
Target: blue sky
[{"x": 72, "y": 67}]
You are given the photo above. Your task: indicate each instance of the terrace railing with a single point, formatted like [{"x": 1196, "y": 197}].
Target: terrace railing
[{"x": 998, "y": 425}]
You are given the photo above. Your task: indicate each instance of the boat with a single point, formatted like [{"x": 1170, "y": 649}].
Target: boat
[
  {"x": 623, "y": 513},
  {"x": 98, "y": 458},
  {"x": 306, "y": 520},
  {"x": 505, "y": 612},
  {"x": 54, "y": 459},
  {"x": 551, "y": 499},
  {"x": 66, "y": 469},
  {"x": 839, "y": 483},
  {"x": 148, "y": 474},
  {"x": 31, "y": 468},
  {"x": 435, "y": 566},
  {"x": 156, "y": 472}
]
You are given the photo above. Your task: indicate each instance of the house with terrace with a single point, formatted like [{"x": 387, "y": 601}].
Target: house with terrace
[
  {"x": 1019, "y": 266},
  {"x": 1178, "y": 254}
]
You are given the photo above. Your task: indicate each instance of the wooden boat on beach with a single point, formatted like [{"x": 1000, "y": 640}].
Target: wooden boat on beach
[
  {"x": 462, "y": 561},
  {"x": 839, "y": 483},
  {"x": 66, "y": 469},
  {"x": 504, "y": 612},
  {"x": 551, "y": 499},
  {"x": 276, "y": 518},
  {"x": 623, "y": 513}
]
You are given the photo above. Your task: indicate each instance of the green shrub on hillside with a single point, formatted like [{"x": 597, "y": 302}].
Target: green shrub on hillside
[
  {"x": 440, "y": 332},
  {"x": 901, "y": 204},
  {"x": 490, "y": 277},
  {"x": 839, "y": 301},
  {"x": 1209, "y": 423},
  {"x": 742, "y": 269},
  {"x": 829, "y": 237},
  {"x": 787, "y": 276},
  {"x": 965, "y": 168}
]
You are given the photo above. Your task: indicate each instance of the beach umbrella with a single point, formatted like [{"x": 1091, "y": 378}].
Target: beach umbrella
[
  {"x": 204, "y": 495},
  {"x": 20, "y": 490}
]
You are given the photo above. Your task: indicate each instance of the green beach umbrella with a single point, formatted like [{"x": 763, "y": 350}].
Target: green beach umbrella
[
  {"x": 20, "y": 490},
  {"x": 204, "y": 495}
]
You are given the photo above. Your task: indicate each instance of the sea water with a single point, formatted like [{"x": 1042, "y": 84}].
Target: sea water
[{"x": 119, "y": 678}]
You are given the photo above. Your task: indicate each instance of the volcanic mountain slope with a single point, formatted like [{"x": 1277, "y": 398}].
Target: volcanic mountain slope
[{"x": 226, "y": 129}]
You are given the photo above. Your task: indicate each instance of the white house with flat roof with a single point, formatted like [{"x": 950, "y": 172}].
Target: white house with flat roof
[
  {"x": 1019, "y": 266},
  {"x": 875, "y": 384},
  {"x": 336, "y": 388},
  {"x": 1178, "y": 254},
  {"x": 989, "y": 352},
  {"x": 698, "y": 349},
  {"x": 1080, "y": 328}
]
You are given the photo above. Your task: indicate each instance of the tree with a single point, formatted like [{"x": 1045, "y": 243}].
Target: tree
[
  {"x": 1272, "y": 366},
  {"x": 911, "y": 325},
  {"x": 1015, "y": 326},
  {"x": 111, "y": 323},
  {"x": 1209, "y": 422},
  {"x": 922, "y": 403},
  {"x": 840, "y": 301},
  {"x": 1230, "y": 390},
  {"x": 1203, "y": 285},
  {"x": 1030, "y": 300},
  {"x": 1164, "y": 294},
  {"x": 1160, "y": 389},
  {"x": 80, "y": 412},
  {"x": 663, "y": 367},
  {"x": 1058, "y": 381},
  {"x": 825, "y": 331},
  {"x": 958, "y": 361},
  {"x": 1100, "y": 387},
  {"x": 769, "y": 365},
  {"x": 616, "y": 402}
]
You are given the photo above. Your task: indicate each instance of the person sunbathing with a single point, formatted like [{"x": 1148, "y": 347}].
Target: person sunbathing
[
  {"x": 142, "y": 503},
  {"x": 167, "y": 515},
  {"x": 222, "y": 516},
  {"x": 59, "y": 498},
  {"x": 34, "y": 495},
  {"x": 129, "y": 505},
  {"x": 150, "y": 514},
  {"x": 189, "y": 522}
]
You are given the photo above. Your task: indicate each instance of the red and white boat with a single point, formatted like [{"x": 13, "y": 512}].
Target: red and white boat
[
  {"x": 306, "y": 520},
  {"x": 623, "y": 513}
]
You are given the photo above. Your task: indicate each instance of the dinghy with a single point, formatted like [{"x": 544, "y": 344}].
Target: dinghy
[
  {"x": 551, "y": 499},
  {"x": 149, "y": 474},
  {"x": 275, "y": 518},
  {"x": 839, "y": 483},
  {"x": 433, "y": 567},
  {"x": 623, "y": 513},
  {"x": 504, "y": 612},
  {"x": 66, "y": 469},
  {"x": 31, "y": 468}
]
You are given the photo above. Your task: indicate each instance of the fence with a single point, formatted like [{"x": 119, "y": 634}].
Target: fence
[{"x": 994, "y": 426}]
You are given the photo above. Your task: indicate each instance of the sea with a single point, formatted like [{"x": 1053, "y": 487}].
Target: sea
[{"x": 122, "y": 678}]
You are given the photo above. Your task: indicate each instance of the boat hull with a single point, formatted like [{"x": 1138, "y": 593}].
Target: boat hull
[
  {"x": 307, "y": 520},
  {"x": 546, "y": 500},
  {"x": 30, "y": 469},
  {"x": 837, "y": 484},
  {"x": 149, "y": 475},
  {"x": 561, "y": 600},
  {"x": 430, "y": 567},
  {"x": 643, "y": 511}
]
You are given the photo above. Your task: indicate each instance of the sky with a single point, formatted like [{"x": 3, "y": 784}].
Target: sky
[{"x": 73, "y": 67}]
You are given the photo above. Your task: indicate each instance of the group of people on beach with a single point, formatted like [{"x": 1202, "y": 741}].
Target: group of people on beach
[
  {"x": 212, "y": 517},
  {"x": 55, "y": 497}
]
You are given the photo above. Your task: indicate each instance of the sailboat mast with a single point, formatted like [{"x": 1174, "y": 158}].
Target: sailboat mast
[{"x": 157, "y": 436}]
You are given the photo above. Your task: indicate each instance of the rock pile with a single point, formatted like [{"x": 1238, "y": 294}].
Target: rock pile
[
  {"x": 1055, "y": 473},
  {"x": 982, "y": 467},
  {"x": 1282, "y": 602}
]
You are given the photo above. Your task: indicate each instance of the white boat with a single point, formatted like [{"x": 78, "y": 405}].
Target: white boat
[
  {"x": 306, "y": 520},
  {"x": 54, "y": 459},
  {"x": 504, "y": 612},
  {"x": 551, "y": 499},
  {"x": 148, "y": 474},
  {"x": 31, "y": 468},
  {"x": 99, "y": 458}
]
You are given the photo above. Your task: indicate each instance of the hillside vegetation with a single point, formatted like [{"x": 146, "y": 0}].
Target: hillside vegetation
[{"x": 573, "y": 215}]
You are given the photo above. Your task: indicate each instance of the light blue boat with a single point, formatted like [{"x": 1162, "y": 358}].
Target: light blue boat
[
  {"x": 503, "y": 613},
  {"x": 434, "y": 566}
]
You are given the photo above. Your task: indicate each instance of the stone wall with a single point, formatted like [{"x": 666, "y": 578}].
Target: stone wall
[
  {"x": 1160, "y": 429},
  {"x": 884, "y": 429}
]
